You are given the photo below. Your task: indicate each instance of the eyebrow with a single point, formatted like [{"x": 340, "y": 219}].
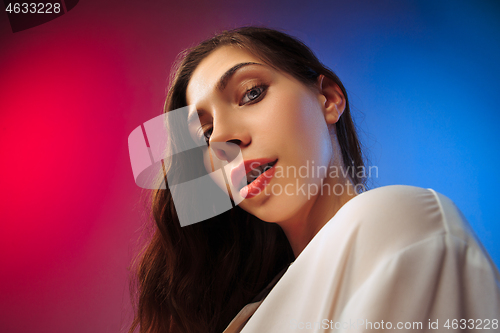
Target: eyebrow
[{"x": 223, "y": 81}]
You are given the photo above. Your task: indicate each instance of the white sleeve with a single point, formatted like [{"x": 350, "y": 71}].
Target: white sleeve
[
  {"x": 436, "y": 282},
  {"x": 398, "y": 254},
  {"x": 445, "y": 282}
]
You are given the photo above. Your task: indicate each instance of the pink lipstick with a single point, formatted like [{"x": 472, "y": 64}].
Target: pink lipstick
[{"x": 256, "y": 173}]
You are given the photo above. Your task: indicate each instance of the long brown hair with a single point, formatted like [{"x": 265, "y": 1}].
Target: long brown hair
[{"x": 196, "y": 278}]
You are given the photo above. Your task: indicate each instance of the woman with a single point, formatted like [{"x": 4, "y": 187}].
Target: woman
[{"x": 393, "y": 255}]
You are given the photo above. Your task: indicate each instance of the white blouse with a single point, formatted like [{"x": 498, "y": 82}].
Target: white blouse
[{"x": 396, "y": 257}]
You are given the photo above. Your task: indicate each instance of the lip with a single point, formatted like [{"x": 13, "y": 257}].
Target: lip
[
  {"x": 239, "y": 172},
  {"x": 258, "y": 185}
]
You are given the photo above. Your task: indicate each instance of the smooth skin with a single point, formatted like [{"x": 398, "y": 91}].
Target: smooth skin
[{"x": 270, "y": 114}]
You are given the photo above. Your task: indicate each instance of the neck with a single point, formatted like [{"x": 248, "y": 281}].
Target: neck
[{"x": 302, "y": 228}]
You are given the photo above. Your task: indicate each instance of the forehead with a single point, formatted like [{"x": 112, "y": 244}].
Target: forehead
[{"x": 206, "y": 76}]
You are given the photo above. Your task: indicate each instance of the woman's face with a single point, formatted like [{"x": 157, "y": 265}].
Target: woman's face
[{"x": 276, "y": 121}]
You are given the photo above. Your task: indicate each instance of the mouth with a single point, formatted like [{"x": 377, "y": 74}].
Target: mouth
[
  {"x": 251, "y": 177},
  {"x": 257, "y": 171}
]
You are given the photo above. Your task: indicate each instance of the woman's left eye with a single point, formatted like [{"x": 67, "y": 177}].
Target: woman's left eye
[{"x": 253, "y": 94}]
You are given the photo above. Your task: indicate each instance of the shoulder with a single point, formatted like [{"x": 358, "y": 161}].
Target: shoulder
[
  {"x": 389, "y": 225},
  {"x": 383, "y": 223},
  {"x": 404, "y": 214},
  {"x": 383, "y": 248}
]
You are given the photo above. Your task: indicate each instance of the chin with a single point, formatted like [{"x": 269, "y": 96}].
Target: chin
[{"x": 272, "y": 209}]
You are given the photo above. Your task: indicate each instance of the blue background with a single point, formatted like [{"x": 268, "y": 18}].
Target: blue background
[{"x": 423, "y": 81}]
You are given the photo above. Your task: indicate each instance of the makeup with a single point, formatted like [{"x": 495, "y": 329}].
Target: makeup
[{"x": 252, "y": 176}]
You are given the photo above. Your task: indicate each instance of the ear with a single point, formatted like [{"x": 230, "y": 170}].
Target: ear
[{"x": 331, "y": 98}]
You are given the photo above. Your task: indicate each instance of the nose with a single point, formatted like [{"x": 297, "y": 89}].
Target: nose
[
  {"x": 225, "y": 151},
  {"x": 229, "y": 135}
]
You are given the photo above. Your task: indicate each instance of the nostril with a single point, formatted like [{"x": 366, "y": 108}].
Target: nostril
[{"x": 235, "y": 141}]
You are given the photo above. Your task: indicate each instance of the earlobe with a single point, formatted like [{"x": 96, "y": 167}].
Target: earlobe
[{"x": 331, "y": 98}]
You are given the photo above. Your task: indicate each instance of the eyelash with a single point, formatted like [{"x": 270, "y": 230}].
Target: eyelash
[
  {"x": 205, "y": 132},
  {"x": 263, "y": 89}
]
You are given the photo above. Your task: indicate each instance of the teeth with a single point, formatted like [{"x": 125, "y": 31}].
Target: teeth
[{"x": 256, "y": 172}]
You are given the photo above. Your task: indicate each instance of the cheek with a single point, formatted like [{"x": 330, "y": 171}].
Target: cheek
[
  {"x": 216, "y": 168},
  {"x": 212, "y": 164},
  {"x": 307, "y": 128},
  {"x": 207, "y": 161}
]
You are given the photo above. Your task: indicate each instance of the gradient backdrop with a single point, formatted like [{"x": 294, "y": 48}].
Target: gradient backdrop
[{"x": 422, "y": 77}]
